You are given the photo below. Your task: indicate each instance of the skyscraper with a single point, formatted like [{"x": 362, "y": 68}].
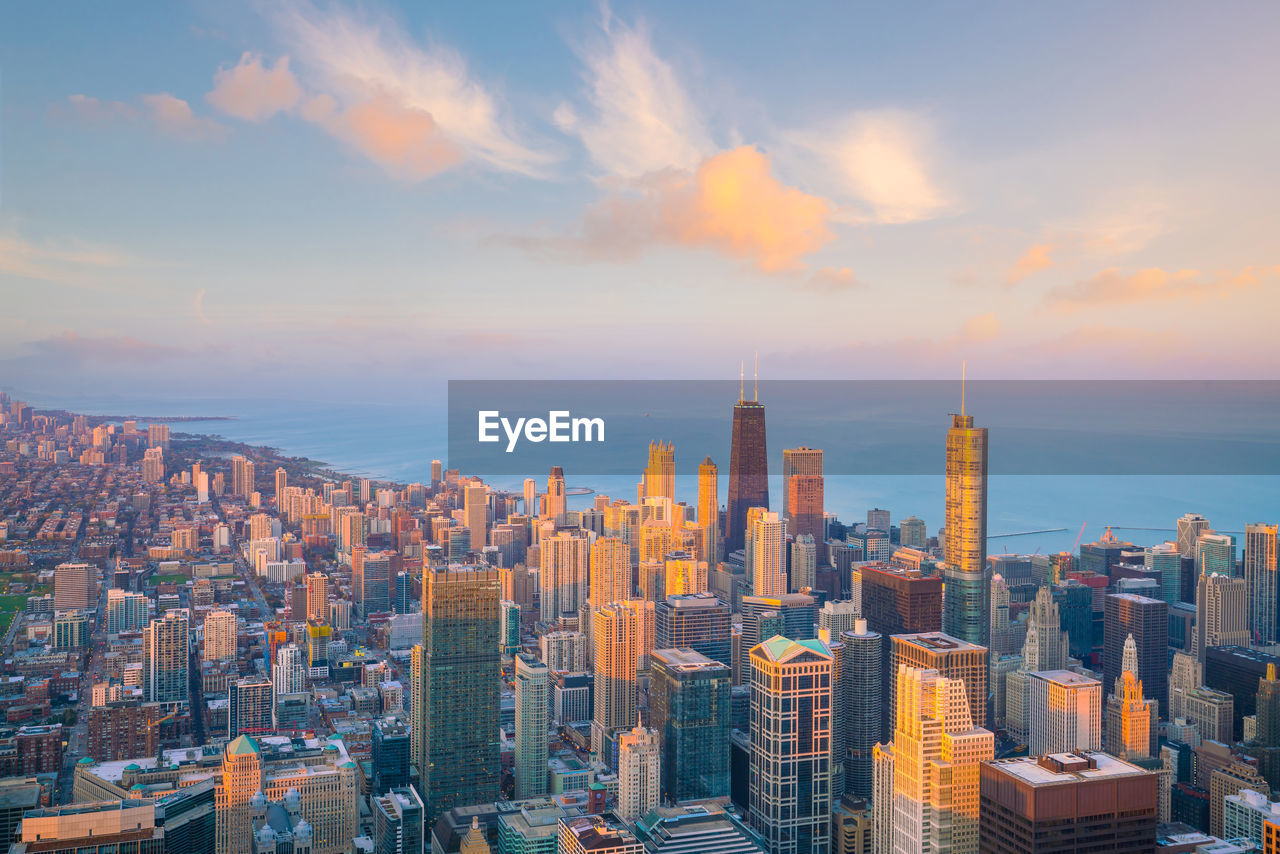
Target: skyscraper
[
  {"x": 709, "y": 511},
  {"x": 639, "y": 772},
  {"x": 1216, "y": 553},
  {"x": 555, "y": 496},
  {"x": 317, "y": 596},
  {"x": 1222, "y": 613},
  {"x": 461, "y": 668},
  {"x": 617, "y": 654},
  {"x": 126, "y": 611},
  {"x": 1260, "y": 551},
  {"x": 1066, "y": 713},
  {"x": 610, "y": 565},
  {"x": 476, "y": 514},
  {"x": 748, "y": 469},
  {"x": 165, "y": 654},
  {"x": 951, "y": 657},
  {"x": 1046, "y": 648},
  {"x": 1166, "y": 560},
  {"x": 250, "y": 705},
  {"x": 1148, "y": 621},
  {"x": 861, "y": 684},
  {"x": 804, "y": 563},
  {"x": 241, "y": 780},
  {"x": 660, "y": 473},
  {"x": 73, "y": 587},
  {"x": 563, "y": 576},
  {"x": 797, "y": 461},
  {"x": 937, "y": 753},
  {"x": 965, "y": 547},
  {"x": 533, "y": 685},
  {"x": 699, "y": 622},
  {"x": 805, "y": 499},
  {"x": 689, "y": 710},
  {"x": 790, "y": 780},
  {"x": 768, "y": 567},
  {"x": 898, "y": 601}
]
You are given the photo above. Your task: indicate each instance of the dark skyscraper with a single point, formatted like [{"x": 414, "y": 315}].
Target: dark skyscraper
[
  {"x": 1148, "y": 621},
  {"x": 748, "y": 469},
  {"x": 689, "y": 707},
  {"x": 896, "y": 602},
  {"x": 390, "y": 743}
]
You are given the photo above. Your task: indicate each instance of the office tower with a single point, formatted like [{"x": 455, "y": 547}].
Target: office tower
[
  {"x": 794, "y": 613},
  {"x": 965, "y": 545},
  {"x": 790, "y": 794},
  {"x": 1222, "y": 613},
  {"x": 509, "y": 627},
  {"x": 804, "y": 564},
  {"x": 596, "y": 834},
  {"x": 937, "y": 753},
  {"x": 1185, "y": 673},
  {"x": 1267, "y": 708},
  {"x": 698, "y": 621},
  {"x": 71, "y": 630},
  {"x": 219, "y": 636},
  {"x": 530, "y": 498},
  {"x": 73, "y": 587},
  {"x": 660, "y": 473},
  {"x": 1237, "y": 670},
  {"x": 1260, "y": 550},
  {"x": 1166, "y": 560},
  {"x": 397, "y": 822},
  {"x": 639, "y": 772},
  {"x": 165, "y": 656},
  {"x": 371, "y": 574},
  {"x": 476, "y": 514},
  {"x": 797, "y": 462},
  {"x": 882, "y": 800},
  {"x": 282, "y": 483},
  {"x": 912, "y": 533},
  {"x": 1066, "y": 713},
  {"x": 564, "y": 651},
  {"x": 1045, "y": 648},
  {"x": 532, "y": 704},
  {"x": 242, "y": 476},
  {"x": 836, "y": 618},
  {"x": 289, "y": 672},
  {"x": 1148, "y": 621},
  {"x": 860, "y": 684},
  {"x": 1244, "y": 816},
  {"x": 683, "y": 574},
  {"x": 610, "y": 565},
  {"x": 250, "y": 704},
  {"x": 1072, "y": 802},
  {"x": 1236, "y": 776},
  {"x": 1211, "y": 711},
  {"x": 241, "y": 781},
  {"x": 158, "y": 436},
  {"x": 768, "y": 567},
  {"x": 1216, "y": 553},
  {"x": 461, "y": 667},
  {"x": 153, "y": 465},
  {"x": 555, "y": 497},
  {"x": 563, "y": 577},
  {"x": 126, "y": 611},
  {"x": 1001, "y": 627},
  {"x": 898, "y": 601},
  {"x": 1190, "y": 527},
  {"x": 709, "y": 511},
  {"x": 748, "y": 469},
  {"x": 689, "y": 710},
  {"x": 617, "y": 653},
  {"x": 317, "y": 596},
  {"x": 952, "y": 658},
  {"x": 1131, "y": 718}
]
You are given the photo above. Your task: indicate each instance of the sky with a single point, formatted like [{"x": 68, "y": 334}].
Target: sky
[{"x": 296, "y": 198}]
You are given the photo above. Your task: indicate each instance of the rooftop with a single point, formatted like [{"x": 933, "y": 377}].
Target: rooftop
[
  {"x": 938, "y": 642},
  {"x": 1076, "y": 767}
]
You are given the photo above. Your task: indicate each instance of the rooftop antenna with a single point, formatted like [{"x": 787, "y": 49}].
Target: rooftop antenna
[
  {"x": 755, "y": 382},
  {"x": 742, "y": 380},
  {"x": 962, "y": 373}
]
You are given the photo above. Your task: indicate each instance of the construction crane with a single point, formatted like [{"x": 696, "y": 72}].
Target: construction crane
[{"x": 1076, "y": 545}]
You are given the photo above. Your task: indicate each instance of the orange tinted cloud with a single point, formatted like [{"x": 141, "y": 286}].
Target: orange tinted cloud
[
  {"x": 1036, "y": 259},
  {"x": 1112, "y": 286},
  {"x": 834, "y": 279},
  {"x": 254, "y": 92},
  {"x": 168, "y": 114},
  {"x": 404, "y": 141}
]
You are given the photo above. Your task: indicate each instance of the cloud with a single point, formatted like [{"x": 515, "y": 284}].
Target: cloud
[
  {"x": 641, "y": 118},
  {"x": 67, "y": 262},
  {"x": 70, "y": 348},
  {"x": 982, "y": 327},
  {"x": 732, "y": 204},
  {"x": 168, "y": 114},
  {"x": 834, "y": 279},
  {"x": 253, "y": 92},
  {"x": 1036, "y": 259},
  {"x": 1115, "y": 287},
  {"x": 370, "y": 66},
  {"x": 882, "y": 162}
]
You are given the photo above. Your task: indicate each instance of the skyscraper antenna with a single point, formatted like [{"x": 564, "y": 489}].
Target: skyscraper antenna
[
  {"x": 742, "y": 380},
  {"x": 962, "y": 372},
  {"x": 755, "y": 382}
]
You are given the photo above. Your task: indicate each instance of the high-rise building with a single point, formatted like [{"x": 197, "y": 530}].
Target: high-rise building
[
  {"x": 1165, "y": 560},
  {"x": 1148, "y": 621},
  {"x": 684, "y": 574},
  {"x": 698, "y": 621},
  {"x": 509, "y": 627},
  {"x": 532, "y": 684},
  {"x": 555, "y": 497},
  {"x": 1260, "y": 552},
  {"x": 476, "y": 514},
  {"x": 797, "y": 462},
  {"x": 1190, "y": 527},
  {"x": 618, "y": 643},
  {"x": 836, "y": 618},
  {"x": 894, "y": 602},
  {"x": 965, "y": 545},
  {"x": 165, "y": 658},
  {"x": 219, "y": 636},
  {"x": 660, "y": 473},
  {"x": 696, "y": 829},
  {"x": 289, "y": 672},
  {"x": 689, "y": 709},
  {"x": 73, "y": 587},
  {"x": 804, "y": 563},
  {"x": 768, "y": 565},
  {"x": 1066, "y": 713},
  {"x": 250, "y": 705},
  {"x": 639, "y": 772},
  {"x": 793, "y": 613},
  {"x": 610, "y": 565},
  {"x": 564, "y": 573},
  {"x": 126, "y": 611},
  {"x": 282, "y": 483},
  {"x": 530, "y": 498},
  {"x": 937, "y": 753},
  {"x": 912, "y": 533},
  {"x": 709, "y": 511},
  {"x": 153, "y": 465},
  {"x": 1068, "y": 802},
  {"x": 1045, "y": 648},
  {"x": 860, "y": 682},
  {"x": 242, "y": 476},
  {"x": 1131, "y": 719},
  {"x": 748, "y": 469},
  {"x": 317, "y": 596},
  {"x": 805, "y": 498},
  {"x": 371, "y": 574},
  {"x": 241, "y": 781},
  {"x": 952, "y": 658},
  {"x": 1222, "y": 613},
  {"x": 461, "y": 668},
  {"x": 1216, "y": 553},
  {"x": 397, "y": 822},
  {"x": 564, "y": 651},
  {"x": 790, "y": 758},
  {"x": 596, "y": 834}
]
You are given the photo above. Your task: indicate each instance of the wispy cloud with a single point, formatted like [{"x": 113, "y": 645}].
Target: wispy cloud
[
  {"x": 1033, "y": 261},
  {"x": 1116, "y": 287},
  {"x": 254, "y": 92},
  {"x": 834, "y": 279},
  {"x": 397, "y": 101},
  {"x": 640, "y": 118},
  {"x": 166, "y": 113},
  {"x": 71, "y": 262}
]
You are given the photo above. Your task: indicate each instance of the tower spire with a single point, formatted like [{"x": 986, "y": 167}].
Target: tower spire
[
  {"x": 962, "y": 373},
  {"x": 755, "y": 381},
  {"x": 742, "y": 380}
]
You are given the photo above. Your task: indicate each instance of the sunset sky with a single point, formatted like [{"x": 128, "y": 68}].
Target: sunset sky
[{"x": 247, "y": 197}]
